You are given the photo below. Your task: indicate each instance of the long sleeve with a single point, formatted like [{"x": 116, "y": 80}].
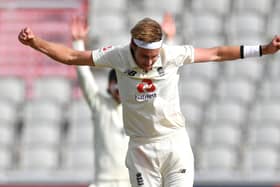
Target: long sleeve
[{"x": 86, "y": 78}]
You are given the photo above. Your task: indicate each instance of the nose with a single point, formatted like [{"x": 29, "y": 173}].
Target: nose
[{"x": 149, "y": 61}]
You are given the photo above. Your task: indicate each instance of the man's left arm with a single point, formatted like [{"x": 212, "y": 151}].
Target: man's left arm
[{"x": 225, "y": 53}]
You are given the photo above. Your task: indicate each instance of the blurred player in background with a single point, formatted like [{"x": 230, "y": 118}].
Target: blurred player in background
[
  {"x": 169, "y": 28},
  {"x": 110, "y": 139},
  {"x": 159, "y": 152}
]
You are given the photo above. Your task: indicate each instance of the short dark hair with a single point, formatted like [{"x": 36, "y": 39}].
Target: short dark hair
[{"x": 112, "y": 76}]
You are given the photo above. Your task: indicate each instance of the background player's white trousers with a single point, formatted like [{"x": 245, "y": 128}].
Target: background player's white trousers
[{"x": 165, "y": 162}]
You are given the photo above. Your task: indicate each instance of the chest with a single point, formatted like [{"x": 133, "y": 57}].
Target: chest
[{"x": 137, "y": 86}]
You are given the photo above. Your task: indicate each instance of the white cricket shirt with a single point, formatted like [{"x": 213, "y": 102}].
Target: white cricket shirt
[{"x": 151, "y": 104}]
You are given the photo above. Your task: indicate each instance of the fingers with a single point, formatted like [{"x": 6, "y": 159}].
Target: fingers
[
  {"x": 25, "y": 35},
  {"x": 79, "y": 27},
  {"x": 83, "y": 23},
  {"x": 74, "y": 27},
  {"x": 22, "y": 35},
  {"x": 168, "y": 25},
  {"x": 277, "y": 38},
  {"x": 79, "y": 21},
  {"x": 276, "y": 41}
]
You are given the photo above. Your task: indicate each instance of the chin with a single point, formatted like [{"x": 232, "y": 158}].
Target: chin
[{"x": 147, "y": 69}]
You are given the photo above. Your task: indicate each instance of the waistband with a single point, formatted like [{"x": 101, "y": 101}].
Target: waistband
[{"x": 143, "y": 140}]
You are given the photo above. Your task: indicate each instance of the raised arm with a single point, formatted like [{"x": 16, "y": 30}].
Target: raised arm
[
  {"x": 88, "y": 85},
  {"x": 169, "y": 28},
  {"x": 79, "y": 30},
  {"x": 224, "y": 53},
  {"x": 56, "y": 51}
]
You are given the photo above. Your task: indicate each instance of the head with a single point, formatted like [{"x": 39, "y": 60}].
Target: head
[
  {"x": 146, "y": 42},
  {"x": 113, "y": 89}
]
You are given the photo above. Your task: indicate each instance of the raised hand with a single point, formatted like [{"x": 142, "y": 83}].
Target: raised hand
[
  {"x": 79, "y": 28},
  {"x": 168, "y": 26},
  {"x": 273, "y": 46},
  {"x": 26, "y": 36}
]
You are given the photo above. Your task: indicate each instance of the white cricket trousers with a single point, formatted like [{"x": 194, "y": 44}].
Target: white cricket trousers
[{"x": 164, "y": 162}]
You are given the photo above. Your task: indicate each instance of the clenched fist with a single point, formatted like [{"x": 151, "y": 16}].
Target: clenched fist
[
  {"x": 26, "y": 36},
  {"x": 273, "y": 46}
]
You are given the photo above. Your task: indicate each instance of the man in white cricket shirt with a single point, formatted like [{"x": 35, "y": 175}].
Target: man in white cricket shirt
[
  {"x": 110, "y": 140},
  {"x": 159, "y": 153}
]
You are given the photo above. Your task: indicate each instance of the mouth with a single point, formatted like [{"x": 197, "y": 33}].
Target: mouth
[{"x": 147, "y": 67}]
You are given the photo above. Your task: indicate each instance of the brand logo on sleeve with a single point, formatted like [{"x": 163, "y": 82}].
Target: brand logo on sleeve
[{"x": 104, "y": 49}]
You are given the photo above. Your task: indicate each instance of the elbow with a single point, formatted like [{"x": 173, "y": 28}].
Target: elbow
[
  {"x": 64, "y": 57},
  {"x": 218, "y": 59},
  {"x": 71, "y": 58},
  {"x": 219, "y": 55},
  {"x": 69, "y": 61}
]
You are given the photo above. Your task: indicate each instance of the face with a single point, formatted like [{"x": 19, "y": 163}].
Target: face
[
  {"x": 114, "y": 90},
  {"x": 145, "y": 58}
]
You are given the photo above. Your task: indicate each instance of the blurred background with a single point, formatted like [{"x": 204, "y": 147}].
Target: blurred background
[{"x": 232, "y": 109}]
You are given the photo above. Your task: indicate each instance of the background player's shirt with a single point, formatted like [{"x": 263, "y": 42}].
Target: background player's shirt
[
  {"x": 151, "y": 105},
  {"x": 110, "y": 140}
]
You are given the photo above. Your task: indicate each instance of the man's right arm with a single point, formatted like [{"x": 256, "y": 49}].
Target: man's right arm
[{"x": 55, "y": 51}]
